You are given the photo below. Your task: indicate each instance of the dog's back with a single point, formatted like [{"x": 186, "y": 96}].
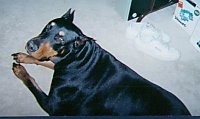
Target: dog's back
[{"x": 96, "y": 83}]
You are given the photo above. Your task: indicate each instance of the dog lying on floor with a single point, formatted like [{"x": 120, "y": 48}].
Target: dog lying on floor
[{"x": 87, "y": 79}]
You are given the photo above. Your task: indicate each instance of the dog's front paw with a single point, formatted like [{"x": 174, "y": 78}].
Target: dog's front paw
[
  {"x": 23, "y": 58},
  {"x": 20, "y": 72}
]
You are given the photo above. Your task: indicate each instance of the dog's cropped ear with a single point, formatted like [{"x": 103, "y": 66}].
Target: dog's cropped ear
[
  {"x": 69, "y": 16},
  {"x": 82, "y": 41}
]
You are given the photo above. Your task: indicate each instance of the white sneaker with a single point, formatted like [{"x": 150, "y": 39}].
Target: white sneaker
[
  {"x": 134, "y": 28},
  {"x": 157, "y": 49},
  {"x": 165, "y": 37},
  {"x": 151, "y": 41},
  {"x": 150, "y": 30}
]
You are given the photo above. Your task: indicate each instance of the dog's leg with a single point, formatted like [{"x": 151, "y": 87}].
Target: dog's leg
[
  {"x": 24, "y": 58},
  {"x": 30, "y": 83},
  {"x": 27, "y": 59}
]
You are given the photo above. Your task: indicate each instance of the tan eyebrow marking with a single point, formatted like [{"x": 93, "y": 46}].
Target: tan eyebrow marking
[
  {"x": 53, "y": 23},
  {"x": 61, "y": 33}
]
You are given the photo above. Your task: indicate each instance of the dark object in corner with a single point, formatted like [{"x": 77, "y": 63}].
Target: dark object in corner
[{"x": 140, "y": 8}]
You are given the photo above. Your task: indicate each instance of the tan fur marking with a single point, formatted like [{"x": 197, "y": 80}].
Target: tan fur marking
[
  {"x": 53, "y": 23},
  {"x": 45, "y": 51},
  {"x": 61, "y": 33}
]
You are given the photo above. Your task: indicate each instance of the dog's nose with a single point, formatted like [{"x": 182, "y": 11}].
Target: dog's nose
[{"x": 31, "y": 46}]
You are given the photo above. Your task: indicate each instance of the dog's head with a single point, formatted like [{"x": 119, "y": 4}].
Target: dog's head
[{"x": 59, "y": 37}]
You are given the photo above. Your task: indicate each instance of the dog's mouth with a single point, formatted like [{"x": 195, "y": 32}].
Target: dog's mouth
[{"x": 43, "y": 52}]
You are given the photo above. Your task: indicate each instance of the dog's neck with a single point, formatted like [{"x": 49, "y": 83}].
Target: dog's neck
[
  {"x": 79, "y": 58},
  {"x": 56, "y": 59},
  {"x": 84, "y": 40}
]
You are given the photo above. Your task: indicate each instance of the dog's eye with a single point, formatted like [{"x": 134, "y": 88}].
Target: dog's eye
[
  {"x": 59, "y": 37},
  {"x": 60, "y": 40}
]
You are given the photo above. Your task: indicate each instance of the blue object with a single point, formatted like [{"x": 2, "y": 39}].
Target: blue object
[{"x": 186, "y": 15}]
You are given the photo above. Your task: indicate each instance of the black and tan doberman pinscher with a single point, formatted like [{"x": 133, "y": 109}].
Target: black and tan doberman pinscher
[{"x": 87, "y": 79}]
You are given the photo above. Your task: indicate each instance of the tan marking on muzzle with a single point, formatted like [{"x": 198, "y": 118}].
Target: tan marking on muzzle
[{"x": 45, "y": 51}]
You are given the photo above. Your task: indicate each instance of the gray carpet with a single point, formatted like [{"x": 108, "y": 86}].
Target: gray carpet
[{"x": 24, "y": 19}]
